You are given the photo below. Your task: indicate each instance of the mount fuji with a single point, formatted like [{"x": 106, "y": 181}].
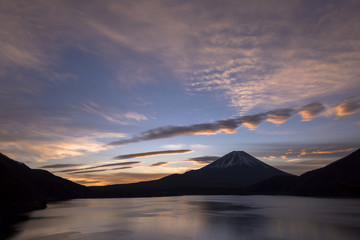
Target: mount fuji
[{"x": 236, "y": 168}]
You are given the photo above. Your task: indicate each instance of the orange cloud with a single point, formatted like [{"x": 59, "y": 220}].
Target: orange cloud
[
  {"x": 293, "y": 160},
  {"x": 270, "y": 158},
  {"x": 333, "y": 151},
  {"x": 311, "y": 111},
  {"x": 348, "y": 107},
  {"x": 214, "y": 132},
  {"x": 275, "y": 120},
  {"x": 250, "y": 125}
]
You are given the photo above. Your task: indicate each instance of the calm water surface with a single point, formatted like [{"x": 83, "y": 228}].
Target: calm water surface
[{"x": 196, "y": 217}]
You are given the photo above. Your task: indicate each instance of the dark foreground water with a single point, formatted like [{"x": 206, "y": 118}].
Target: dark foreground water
[{"x": 196, "y": 217}]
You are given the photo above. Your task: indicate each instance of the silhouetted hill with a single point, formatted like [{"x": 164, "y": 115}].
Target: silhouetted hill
[
  {"x": 229, "y": 174},
  {"x": 23, "y": 188},
  {"x": 277, "y": 185},
  {"x": 340, "y": 178}
]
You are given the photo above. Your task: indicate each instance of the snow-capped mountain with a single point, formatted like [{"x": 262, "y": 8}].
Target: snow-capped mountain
[
  {"x": 236, "y": 168},
  {"x": 237, "y": 158}
]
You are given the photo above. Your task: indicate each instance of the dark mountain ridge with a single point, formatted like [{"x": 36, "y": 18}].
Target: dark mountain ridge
[
  {"x": 24, "y": 188},
  {"x": 340, "y": 178}
]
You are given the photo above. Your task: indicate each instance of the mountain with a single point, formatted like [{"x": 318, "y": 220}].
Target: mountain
[
  {"x": 340, "y": 178},
  {"x": 236, "y": 168},
  {"x": 229, "y": 174},
  {"x": 23, "y": 188}
]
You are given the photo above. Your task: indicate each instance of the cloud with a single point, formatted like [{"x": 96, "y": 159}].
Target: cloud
[
  {"x": 121, "y": 168},
  {"x": 180, "y": 146},
  {"x": 311, "y": 110},
  {"x": 306, "y": 152},
  {"x": 293, "y": 160},
  {"x": 270, "y": 68},
  {"x": 252, "y": 121},
  {"x": 272, "y": 61},
  {"x": 117, "y": 118},
  {"x": 270, "y": 158},
  {"x": 279, "y": 116},
  {"x": 228, "y": 126},
  {"x": 89, "y": 171},
  {"x": 150, "y": 154},
  {"x": 98, "y": 166},
  {"x": 174, "y": 146},
  {"x": 63, "y": 147},
  {"x": 48, "y": 134},
  {"x": 135, "y": 116},
  {"x": 330, "y": 151},
  {"x": 349, "y": 106},
  {"x": 99, "y": 170},
  {"x": 203, "y": 160},
  {"x": 158, "y": 164},
  {"x": 60, "y": 165}
]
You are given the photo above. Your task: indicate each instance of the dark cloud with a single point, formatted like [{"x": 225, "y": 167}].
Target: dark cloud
[
  {"x": 158, "y": 164},
  {"x": 311, "y": 110},
  {"x": 155, "y": 153},
  {"x": 122, "y": 163},
  {"x": 349, "y": 106},
  {"x": 227, "y": 126},
  {"x": 60, "y": 165},
  {"x": 120, "y": 168},
  {"x": 99, "y": 170},
  {"x": 89, "y": 171},
  {"x": 172, "y": 131},
  {"x": 203, "y": 159},
  {"x": 99, "y": 166}
]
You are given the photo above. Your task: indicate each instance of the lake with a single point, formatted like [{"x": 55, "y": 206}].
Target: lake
[{"x": 195, "y": 217}]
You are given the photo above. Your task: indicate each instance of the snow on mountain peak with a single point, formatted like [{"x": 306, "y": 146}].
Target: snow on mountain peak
[{"x": 236, "y": 158}]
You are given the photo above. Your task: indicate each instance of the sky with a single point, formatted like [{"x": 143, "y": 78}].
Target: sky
[{"x": 106, "y": 92}]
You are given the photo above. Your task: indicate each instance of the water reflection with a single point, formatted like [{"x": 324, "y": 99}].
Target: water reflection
[{"x": 196, "y": 217}]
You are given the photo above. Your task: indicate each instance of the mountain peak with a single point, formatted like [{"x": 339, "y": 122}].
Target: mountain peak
[{"x": 236, "y": 158}]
